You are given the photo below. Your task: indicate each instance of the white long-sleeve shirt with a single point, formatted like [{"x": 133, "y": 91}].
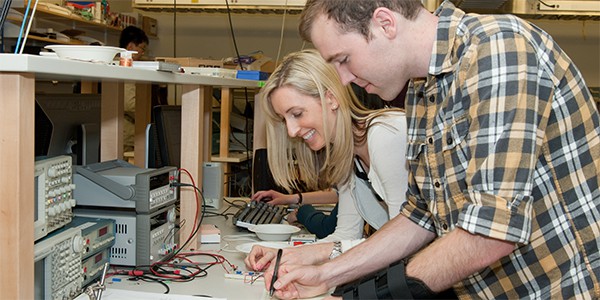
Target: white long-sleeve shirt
[{"x": 388, "y": 174}]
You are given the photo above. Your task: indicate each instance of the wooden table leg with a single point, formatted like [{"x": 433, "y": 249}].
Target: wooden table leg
[
  {"x": 111, "y": 116},
  {"x": 225, "y": 131},
  {"x": 17, "y": 121},
  {"x": 195, "y": 142},
  {"x": 143, "y": 108}
]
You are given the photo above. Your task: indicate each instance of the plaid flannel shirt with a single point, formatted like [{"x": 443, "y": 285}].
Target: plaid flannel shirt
[{"x": 504, "y": 142}]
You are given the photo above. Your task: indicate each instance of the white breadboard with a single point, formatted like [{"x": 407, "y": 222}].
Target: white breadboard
[{"x": 246, "y": 275}]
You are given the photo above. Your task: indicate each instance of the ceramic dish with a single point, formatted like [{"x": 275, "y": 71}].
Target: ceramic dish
[
  {"x": 246, "y": 247},
  {"x": 100, "y": 54},
  {"x": 274, "y": 232}
]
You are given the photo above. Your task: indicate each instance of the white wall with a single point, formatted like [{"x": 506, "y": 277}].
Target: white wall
[
  {"x": 208, "y": 35},
  {"x": 581, "y": 41}
]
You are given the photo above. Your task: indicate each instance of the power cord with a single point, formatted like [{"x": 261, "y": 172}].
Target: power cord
[{"x": 548, "y": 5}]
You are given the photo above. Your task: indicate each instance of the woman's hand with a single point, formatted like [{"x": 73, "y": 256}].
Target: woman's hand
[
  {"x": 260, "y": 257},
  {"x": 275, "y": 198},
  {"x": 292, "y": 217}
]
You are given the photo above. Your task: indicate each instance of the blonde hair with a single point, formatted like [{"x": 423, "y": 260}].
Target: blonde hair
[{"x": 289, "y": 157}]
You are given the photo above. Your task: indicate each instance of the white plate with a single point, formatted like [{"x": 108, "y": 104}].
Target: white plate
[
  {"x": 274, "y": 232},
  {"x": 245, "y": 248},
  {"x": 103, "y": 54}
]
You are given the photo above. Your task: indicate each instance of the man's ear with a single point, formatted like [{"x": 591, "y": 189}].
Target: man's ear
[{"x": 385, "y": 20}]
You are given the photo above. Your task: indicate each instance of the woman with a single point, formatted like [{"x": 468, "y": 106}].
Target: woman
[{"x": 329, "y": 136}]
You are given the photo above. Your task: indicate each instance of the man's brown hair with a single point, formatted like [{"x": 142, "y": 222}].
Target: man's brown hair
[{"x": 352, "y": 15}]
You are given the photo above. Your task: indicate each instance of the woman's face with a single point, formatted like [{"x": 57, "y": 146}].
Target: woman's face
[{"x": 303, "y": 116}]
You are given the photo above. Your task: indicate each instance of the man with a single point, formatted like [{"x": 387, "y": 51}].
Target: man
[
  {"x": 504, "y": 147},
  {"x": 132, "y": 39}
]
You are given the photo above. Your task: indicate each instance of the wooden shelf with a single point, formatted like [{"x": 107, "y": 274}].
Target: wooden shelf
[
  {"x": 46, "y": 13},
  {"x": 60, "y": 19},
  {"x": 53, "y": 41},
  {"x": 233, "y": 157},
  {"x": 43, "y": 39}
]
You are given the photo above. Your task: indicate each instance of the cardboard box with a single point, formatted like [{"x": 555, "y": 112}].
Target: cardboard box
[
  {"x": 264, "y": 64},
  {"x": 197, "y": 62},
  {"x": 150, "y": 26}
]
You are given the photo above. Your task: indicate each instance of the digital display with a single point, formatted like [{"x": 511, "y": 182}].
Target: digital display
[
  {"x": 98, "y": 258},
  {"x": 102, "y": 231},
  {"x": 159, "y": 181}
]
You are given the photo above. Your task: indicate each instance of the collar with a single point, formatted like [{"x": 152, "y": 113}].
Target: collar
[{"x": 443, "y": 48}]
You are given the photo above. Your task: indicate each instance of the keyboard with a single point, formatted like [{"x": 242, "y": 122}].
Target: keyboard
[{"x": 255, "y": 213}]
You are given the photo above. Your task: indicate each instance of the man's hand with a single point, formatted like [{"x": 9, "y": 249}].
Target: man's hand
[{"x": 297, "y": 282}]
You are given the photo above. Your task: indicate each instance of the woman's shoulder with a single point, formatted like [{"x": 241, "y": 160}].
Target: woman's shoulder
[{"x": 393, "y": 119}]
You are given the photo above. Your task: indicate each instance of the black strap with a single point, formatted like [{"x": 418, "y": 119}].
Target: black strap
[
  {"x": 397, "y": 281},
  {"x": 359, "y": 170},
  {"x": 368, "y": 289},
  {"x": 389, "y": 283},
  {"x": 348, "y": 295}
]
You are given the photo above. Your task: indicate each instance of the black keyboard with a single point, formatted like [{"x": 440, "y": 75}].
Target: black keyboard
[{"x": 255, "y": 213}]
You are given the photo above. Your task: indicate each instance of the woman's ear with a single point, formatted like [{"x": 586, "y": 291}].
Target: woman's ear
[{"x": 331, "y": 100}]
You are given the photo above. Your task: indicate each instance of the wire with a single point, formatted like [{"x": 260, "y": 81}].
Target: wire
[
  {"x": 237, "y": 52},
  {"x": 282, "y": 30},
  {"x": 175, "y": 31},
  {"x": 4, "y": 14},
  {"x": 548, "y": 5},
  {"x": 28, "y": 26},
  {"x": 233, "y": 203},
  {"x": 147, "y": 278},
  {"x": 22, "y": 27},
  {"x": 197, "y": 201}
]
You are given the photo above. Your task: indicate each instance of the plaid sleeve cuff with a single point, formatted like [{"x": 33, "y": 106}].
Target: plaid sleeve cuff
[
  {"x": 495, "y": 217},
  {"x": 419, "y": 216}
]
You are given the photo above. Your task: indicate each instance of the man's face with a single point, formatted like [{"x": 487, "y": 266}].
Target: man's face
[
  {"x": 369, "y": 64},
  {"x": 140, "y": 48}
]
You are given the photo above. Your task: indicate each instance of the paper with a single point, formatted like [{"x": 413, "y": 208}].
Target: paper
[
  {"x": 265, "y": 296},
  {"x": 116, "y": 294}
]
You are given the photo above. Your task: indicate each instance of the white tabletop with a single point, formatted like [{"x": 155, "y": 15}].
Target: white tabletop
[
  {"x": 55, "y": 68},
  {"x": 215, "y": 284}
]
